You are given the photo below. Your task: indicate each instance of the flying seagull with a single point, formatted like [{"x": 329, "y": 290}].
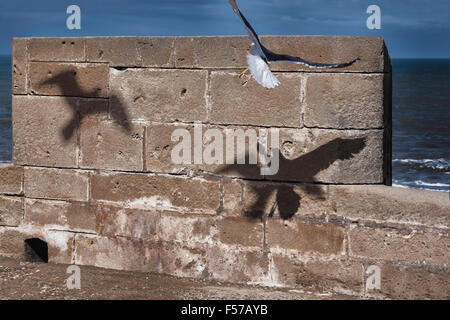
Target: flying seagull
[{"x": 260, "y": 58}]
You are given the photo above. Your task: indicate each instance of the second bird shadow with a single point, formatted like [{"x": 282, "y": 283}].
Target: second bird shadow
[{"x": 302, "y": 169}]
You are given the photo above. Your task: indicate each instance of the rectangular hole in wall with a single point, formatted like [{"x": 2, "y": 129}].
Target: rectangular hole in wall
[{"x": 35, "y": 250}]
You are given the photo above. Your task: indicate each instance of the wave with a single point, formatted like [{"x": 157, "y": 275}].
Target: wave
[
  {"x": 441, "y": 164},
  {"x": 427, "y": 184},
  {"x": 419, "y": 184}
]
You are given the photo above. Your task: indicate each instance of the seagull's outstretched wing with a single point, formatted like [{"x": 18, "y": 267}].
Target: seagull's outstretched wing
[
  {"x": 256, "y": 44},
  {"x": 274, "y": 57}
]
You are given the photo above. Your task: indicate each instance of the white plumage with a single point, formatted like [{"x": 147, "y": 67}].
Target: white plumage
[
  {"x": 259, "y": 59},
  {"x": 261, "y": 72}
]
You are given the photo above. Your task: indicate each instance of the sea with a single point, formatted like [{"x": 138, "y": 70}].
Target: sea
[{"x": 420, "y": 113}]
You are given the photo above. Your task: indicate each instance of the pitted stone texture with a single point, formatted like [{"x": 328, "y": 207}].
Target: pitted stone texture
[
  {"x": 284, "y": 200},
  {"x": 344, "y": 101},
  {"x": 305, "y": 237},
  {"x": 157, "y": 225},
  {"x": 69, "y": 79},
  {"x": 11, "y": 211},
  {"x": 233, "y": 103},
  {"x": 11, "y": 179},
  {"x": 108, "y": 145},
  {"x": 243, "y": 231},
  {"x": 330, "y": 156},
  {"x": 230, "y": 52},
  {"x": 116, "y": 253},
  {"x": 40, "y": 140},
  {"x": 64, "y": 184},
  {"x": 211, "y": 52},
  {"x": 331, "y": 49},
  {"x": 383, "y": 203},
  {"x": 57, "y": 49},
  {"x": 60, "y": 243},
  {"x": 166, "y": 192},
  {"x": 400, "y": 245},
  {"x": 412, "y": 282},
  {"x": 159, "y": 95},
  {"x": 318, "y": 274},
  {"x": 161, "y": 152},
  {"x": 61, "y": 215},
  {"x": 19, "y": 65},
  {"x": 308, "y": 155},
  {"x": 131, "y": 51}
]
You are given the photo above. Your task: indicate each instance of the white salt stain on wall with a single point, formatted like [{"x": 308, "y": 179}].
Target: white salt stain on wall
[{"x": 149, "y": 202}]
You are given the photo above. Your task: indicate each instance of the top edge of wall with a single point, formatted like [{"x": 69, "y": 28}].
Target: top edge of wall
[{"x": 210, "y": 52}]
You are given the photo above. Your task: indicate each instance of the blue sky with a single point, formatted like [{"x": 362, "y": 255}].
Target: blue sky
[{"x": 411, "y": 28}]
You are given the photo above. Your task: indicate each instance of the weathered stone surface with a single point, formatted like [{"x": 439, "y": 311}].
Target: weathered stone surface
[
  {"x": 187, "y": 229},
  {"x": 159, "y": 149},
  {"x": 330, "y": 156},
  {"x": 11, "y": 178},
  {"x": 230, "y": 52},
  {"x": 284, "y": 200},
  {"x": 308, "y": 155},
  {"x": 232, "y": 195},
  {"x": 164, "y": 192},
  {"x": 132, "y": 223},
  {"x": 390, "y": 204},
  {"x": 412, "y": 282},
  {"x": 183, "y": 261},
  {"x": 44, "y": 140},
  {"x": 156, "y": 51},
  {"x": 305, "y": 237},
  {"x": 118, "y": 51},
  {"x": 331, "y": 49},
  {"x": 211, "y": 52},
  {"x": 57, "y": 49},
  {"x": 131, "y": 51},
  {"x": 61, "y": 215},
  {"x": 344, "y": 101},
  {"x": 108, "y": 145},
  {"x": 19, "y": 65},
  {"x": 61, "y": 184},
  {"x": 11, "y": 211},
  {"x": 238, "y": 265},
  {"x": 400, "y": 245},
  {"x": 315, "y": 274},
  {"x": 11, "y": 243},
  {"x": 202, "y": 261},
  {"x": 156, "y": 225},
  {"x": 159, "y": 95},
  {"x": 171, "y": 226},
  {"x": 233, "y": 103},
  {"x": 60, "y": 243},
  {"x": 69, "y": 79},
  {"x": 88, "y": 108},
  {"x": 242, "y": 231},
  {"x": 116, "y": 253},
  {"x": 159, "y": 146}
]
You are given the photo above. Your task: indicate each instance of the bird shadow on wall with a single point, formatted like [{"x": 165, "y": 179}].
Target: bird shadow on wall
[
  {"x": 69, "y": 87},
  {"x": 304, "y": 168}
]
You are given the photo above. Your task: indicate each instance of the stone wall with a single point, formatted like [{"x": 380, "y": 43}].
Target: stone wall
[{"x": 93, "y": 174}]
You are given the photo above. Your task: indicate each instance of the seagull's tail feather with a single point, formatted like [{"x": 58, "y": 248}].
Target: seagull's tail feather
[{"x": 261, "y": 72}]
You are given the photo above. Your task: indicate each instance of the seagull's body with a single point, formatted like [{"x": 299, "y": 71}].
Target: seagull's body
[{"x": 260, "y": 57}]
